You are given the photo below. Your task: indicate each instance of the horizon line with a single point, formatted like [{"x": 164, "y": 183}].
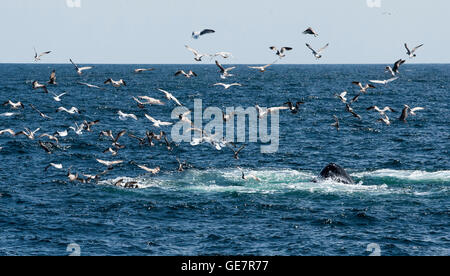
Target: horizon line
[{"x": 94, "y": 63}]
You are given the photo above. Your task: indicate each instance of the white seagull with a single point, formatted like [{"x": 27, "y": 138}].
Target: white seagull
[
  {"x": 91, "y": 85},
  {"x": 28, "y": 133},
  {"x": 109, "y": 163},
  {"x": 363, "y": 88},
  {"x": 57, "y": 98},
  {"x": 342, "y": 96},
  {"x": 198, "y": 56},
  {"x": 223, "y": 54},
  {"x": 187, "y": 75},
  {"x": 150, "y": 100},
  {"x": 71, "y": 111},
  {"x": 262, "y": 112},
  {"x": 37, "y": 85},
  {"x": 381, "y": 111},
  {"x": 224, "y": 71},
  {"x": 262, "y": 69},
  {"x": 227, "y": 86},
  {"x": 124, "y": 116},
  {"x": 38, "y": 57},
  {"x": 384, "y": 81},
  {"x": 411, "y": 53},
  {"x": 80, "y": 69},
  {"x": 14, "y": 105},
  {"x": 170, "y": 97},
  {"x": 281, "y": 53},
  {"x": 116, "y": 84},
  {"x": 143, "y": 70},
  {"x": 197, "y": 35},
  {"x": 157, "y": 123},
  {"x": 317, "y": 54}
]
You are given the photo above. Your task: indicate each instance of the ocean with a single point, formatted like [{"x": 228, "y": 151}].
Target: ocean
[{"x": 400, "y": 204}]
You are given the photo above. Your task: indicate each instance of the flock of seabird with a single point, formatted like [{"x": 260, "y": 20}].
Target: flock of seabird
[{"x": 151, "y": 138}]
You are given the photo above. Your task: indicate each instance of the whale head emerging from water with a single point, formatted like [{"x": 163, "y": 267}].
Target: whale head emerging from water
[{"x": 335, "y": 173}]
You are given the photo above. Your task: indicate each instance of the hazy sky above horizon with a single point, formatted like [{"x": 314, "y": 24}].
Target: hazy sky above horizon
[{"x": 155, "y": 32}]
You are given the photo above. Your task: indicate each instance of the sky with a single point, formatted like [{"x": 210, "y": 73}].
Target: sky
[{"x": 155, "y": 31}]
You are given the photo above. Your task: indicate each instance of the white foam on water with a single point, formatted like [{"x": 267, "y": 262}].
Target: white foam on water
[
  {"x": 230, "y": 180},
  {"x": 408, "y": 175}
]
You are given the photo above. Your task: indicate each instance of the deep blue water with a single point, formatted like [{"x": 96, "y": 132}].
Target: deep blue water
[{"x": 401, "y": 201}]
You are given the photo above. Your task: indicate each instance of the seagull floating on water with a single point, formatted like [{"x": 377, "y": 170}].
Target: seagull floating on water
[{"x": 143, "y": 70}]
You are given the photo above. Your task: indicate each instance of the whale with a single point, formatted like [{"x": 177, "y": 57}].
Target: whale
[{"x": 336, "y": 173}]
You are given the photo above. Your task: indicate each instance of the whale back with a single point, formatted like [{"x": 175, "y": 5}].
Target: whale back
[{"x": 336, "y": 173}]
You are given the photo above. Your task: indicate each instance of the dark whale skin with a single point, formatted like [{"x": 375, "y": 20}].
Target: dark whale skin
[{"x": 336, "y": 173}]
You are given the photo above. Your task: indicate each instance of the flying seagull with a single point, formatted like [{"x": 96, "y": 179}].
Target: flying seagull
[
  {"x": 109, "y": 164},
  {"x": 28, "y": 133},
  {"x": 381, "y": 111},
  {"x": 385, "y": 120},
  {"x": 411, "y": 53},
  {"x": 227, "y": 86},
  {"x": 342, "y": 96},
  {"x": 170, "y": 97},
  {"x": 14, "y": 105},
  {"x": 91, "y": 85},
  {"x": 262, "y": 112},
  {"x": 40, "y": 113},
  {"x": 363, "y": 88},
  {"x": 384, "y": 81},
  {"x": 224, "y": 71},
  {"x": 80, "y": 69},
  {"x": 187, "y": 75},
  {"x": 317, "y": 54},
  {"x": 294, "y": 108},
  {"x": 223, "y": 54},
  {"x": 351, "y": 111},
  {"x": 124, "y": 116},
  {"x": 52, "y": 80},
  {"x": 57, "y": 98},
  {"x": 311, "y": 32},
  {"x": 281, "y": 52},
  {"x": 196, "y": 35},
  {"x": 143, "y": 70},
  {"x": 37, "y": 85},
  {"x": 394, "y": 70},
  {"x": 38, "y": 57},
  {"x": 198, "y": 56},
  {"x": 336, "y": 124},
  {"x": 71, "y": 111},
  {"x": 262, "y": 69},
  {"x": 157, "y": 123},
  {"x": 116, "y": 84}
]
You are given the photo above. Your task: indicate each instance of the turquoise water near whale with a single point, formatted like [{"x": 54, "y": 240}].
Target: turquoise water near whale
[{"x": 401, "y": 200}]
